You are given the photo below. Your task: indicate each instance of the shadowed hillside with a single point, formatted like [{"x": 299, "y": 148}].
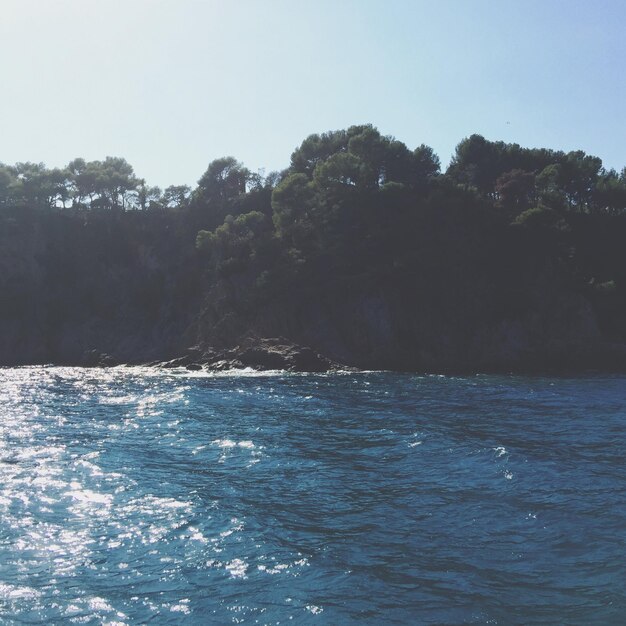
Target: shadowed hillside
[{"x": 362, "y": 249}]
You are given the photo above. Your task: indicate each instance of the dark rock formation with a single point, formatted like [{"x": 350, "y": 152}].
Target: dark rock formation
[{"x": 255, "y": 353}]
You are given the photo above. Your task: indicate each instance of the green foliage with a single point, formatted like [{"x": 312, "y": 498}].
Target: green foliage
[
  {"x": 342, "y": 183},
  {"x": 516, "y": 190},
  {"x": 579, "y": 176},
  {"x": 9, "y": 186},
  {"x": 571, "y": 182},
  {"x": 361, "y": 157},
  {"x": 219, "y": 189},
  {"x": 605, "y": 288},
  {"x": 147, "y": 197},
  {"x": 205, "y": 240},
  {"x": 231, "y": 245},
  {"x": 610, "y": 193},
  {"x": 292, "y": 203},
  {"x": 476, "y": 163},
  {"x": 341, "y": 171},
  {"x": 352, "y": 203},
  {"x": 176, "y": 196},
  {"x": 540, "y": 217},
  {"x": 223, "y": 180},
  {"x": 426, "y": 163},
  {"x": 316, "y": 148}
]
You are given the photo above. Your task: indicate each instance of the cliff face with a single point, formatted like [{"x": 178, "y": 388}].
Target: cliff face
[
  {"x": 370, "y": 325},
  {"x": 100, "y": 290},
  {"x": 69, "y": 287},
  {"x": 392, "y": 325}
]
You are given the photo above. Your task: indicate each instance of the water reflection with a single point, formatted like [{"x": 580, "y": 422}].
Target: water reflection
[{"x": 133, "y": 494}]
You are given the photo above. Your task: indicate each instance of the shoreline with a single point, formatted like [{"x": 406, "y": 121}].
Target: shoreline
[{"x": 280, "y": 354}]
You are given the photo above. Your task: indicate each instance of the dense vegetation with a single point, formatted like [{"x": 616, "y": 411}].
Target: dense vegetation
[{"x": 362, "y": 248}]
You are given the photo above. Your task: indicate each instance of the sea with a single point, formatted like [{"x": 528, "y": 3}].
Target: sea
[{"x": 136, "y": 495}]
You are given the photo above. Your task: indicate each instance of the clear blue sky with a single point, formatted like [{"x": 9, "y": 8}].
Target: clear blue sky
[{"x": 172, "y": 84}]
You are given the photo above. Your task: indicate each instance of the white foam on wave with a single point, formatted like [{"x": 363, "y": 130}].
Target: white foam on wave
[
  {"x": 115, "y": 400},
  {"x": 279, "y": 568},
  {"x": 418, "y": 440},
  {"x": 99, "y": 604},
  {"x": 229, "y": 443},
  {"x": 224, "y": 443},
  {"x": 88, "y": 496},
  {"x": 15, "y": 592},
  {"x": 229, "y": 446},
  {"x": 180, "y": 608},
  {"x": 312, "y": 608},
  {"x": 244, "y": 372},
  {"x": 237, "y": 568},
  {"x": 237, "y": 526}
]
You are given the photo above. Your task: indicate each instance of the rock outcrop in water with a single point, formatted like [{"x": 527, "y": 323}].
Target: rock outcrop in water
[
  {"x": 361, "y": 253},
  {"x": 255, "y": 353}
]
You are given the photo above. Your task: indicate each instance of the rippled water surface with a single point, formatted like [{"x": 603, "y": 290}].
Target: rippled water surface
[{"x": 134, "y": 495}]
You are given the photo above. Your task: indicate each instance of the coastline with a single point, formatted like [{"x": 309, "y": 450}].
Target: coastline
[{"x": 271, "y": 354}]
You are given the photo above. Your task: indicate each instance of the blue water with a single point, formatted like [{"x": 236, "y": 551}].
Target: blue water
[{"x": 133, "y": 495}]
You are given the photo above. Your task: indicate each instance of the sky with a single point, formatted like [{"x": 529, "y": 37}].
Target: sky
[{"x": 171, "y": 85}]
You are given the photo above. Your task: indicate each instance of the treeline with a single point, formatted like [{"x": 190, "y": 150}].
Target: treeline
[
  {"x": 84, "y": 185},
  {"x": 357, "y": 198},
  {"x": 356, "y": 217},
  {"x": 356, "y": 159},
  {"x": 352, "y": 199}
]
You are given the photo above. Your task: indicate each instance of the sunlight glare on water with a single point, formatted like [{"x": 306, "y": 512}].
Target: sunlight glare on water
[{"x": 136, "y": 494}]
